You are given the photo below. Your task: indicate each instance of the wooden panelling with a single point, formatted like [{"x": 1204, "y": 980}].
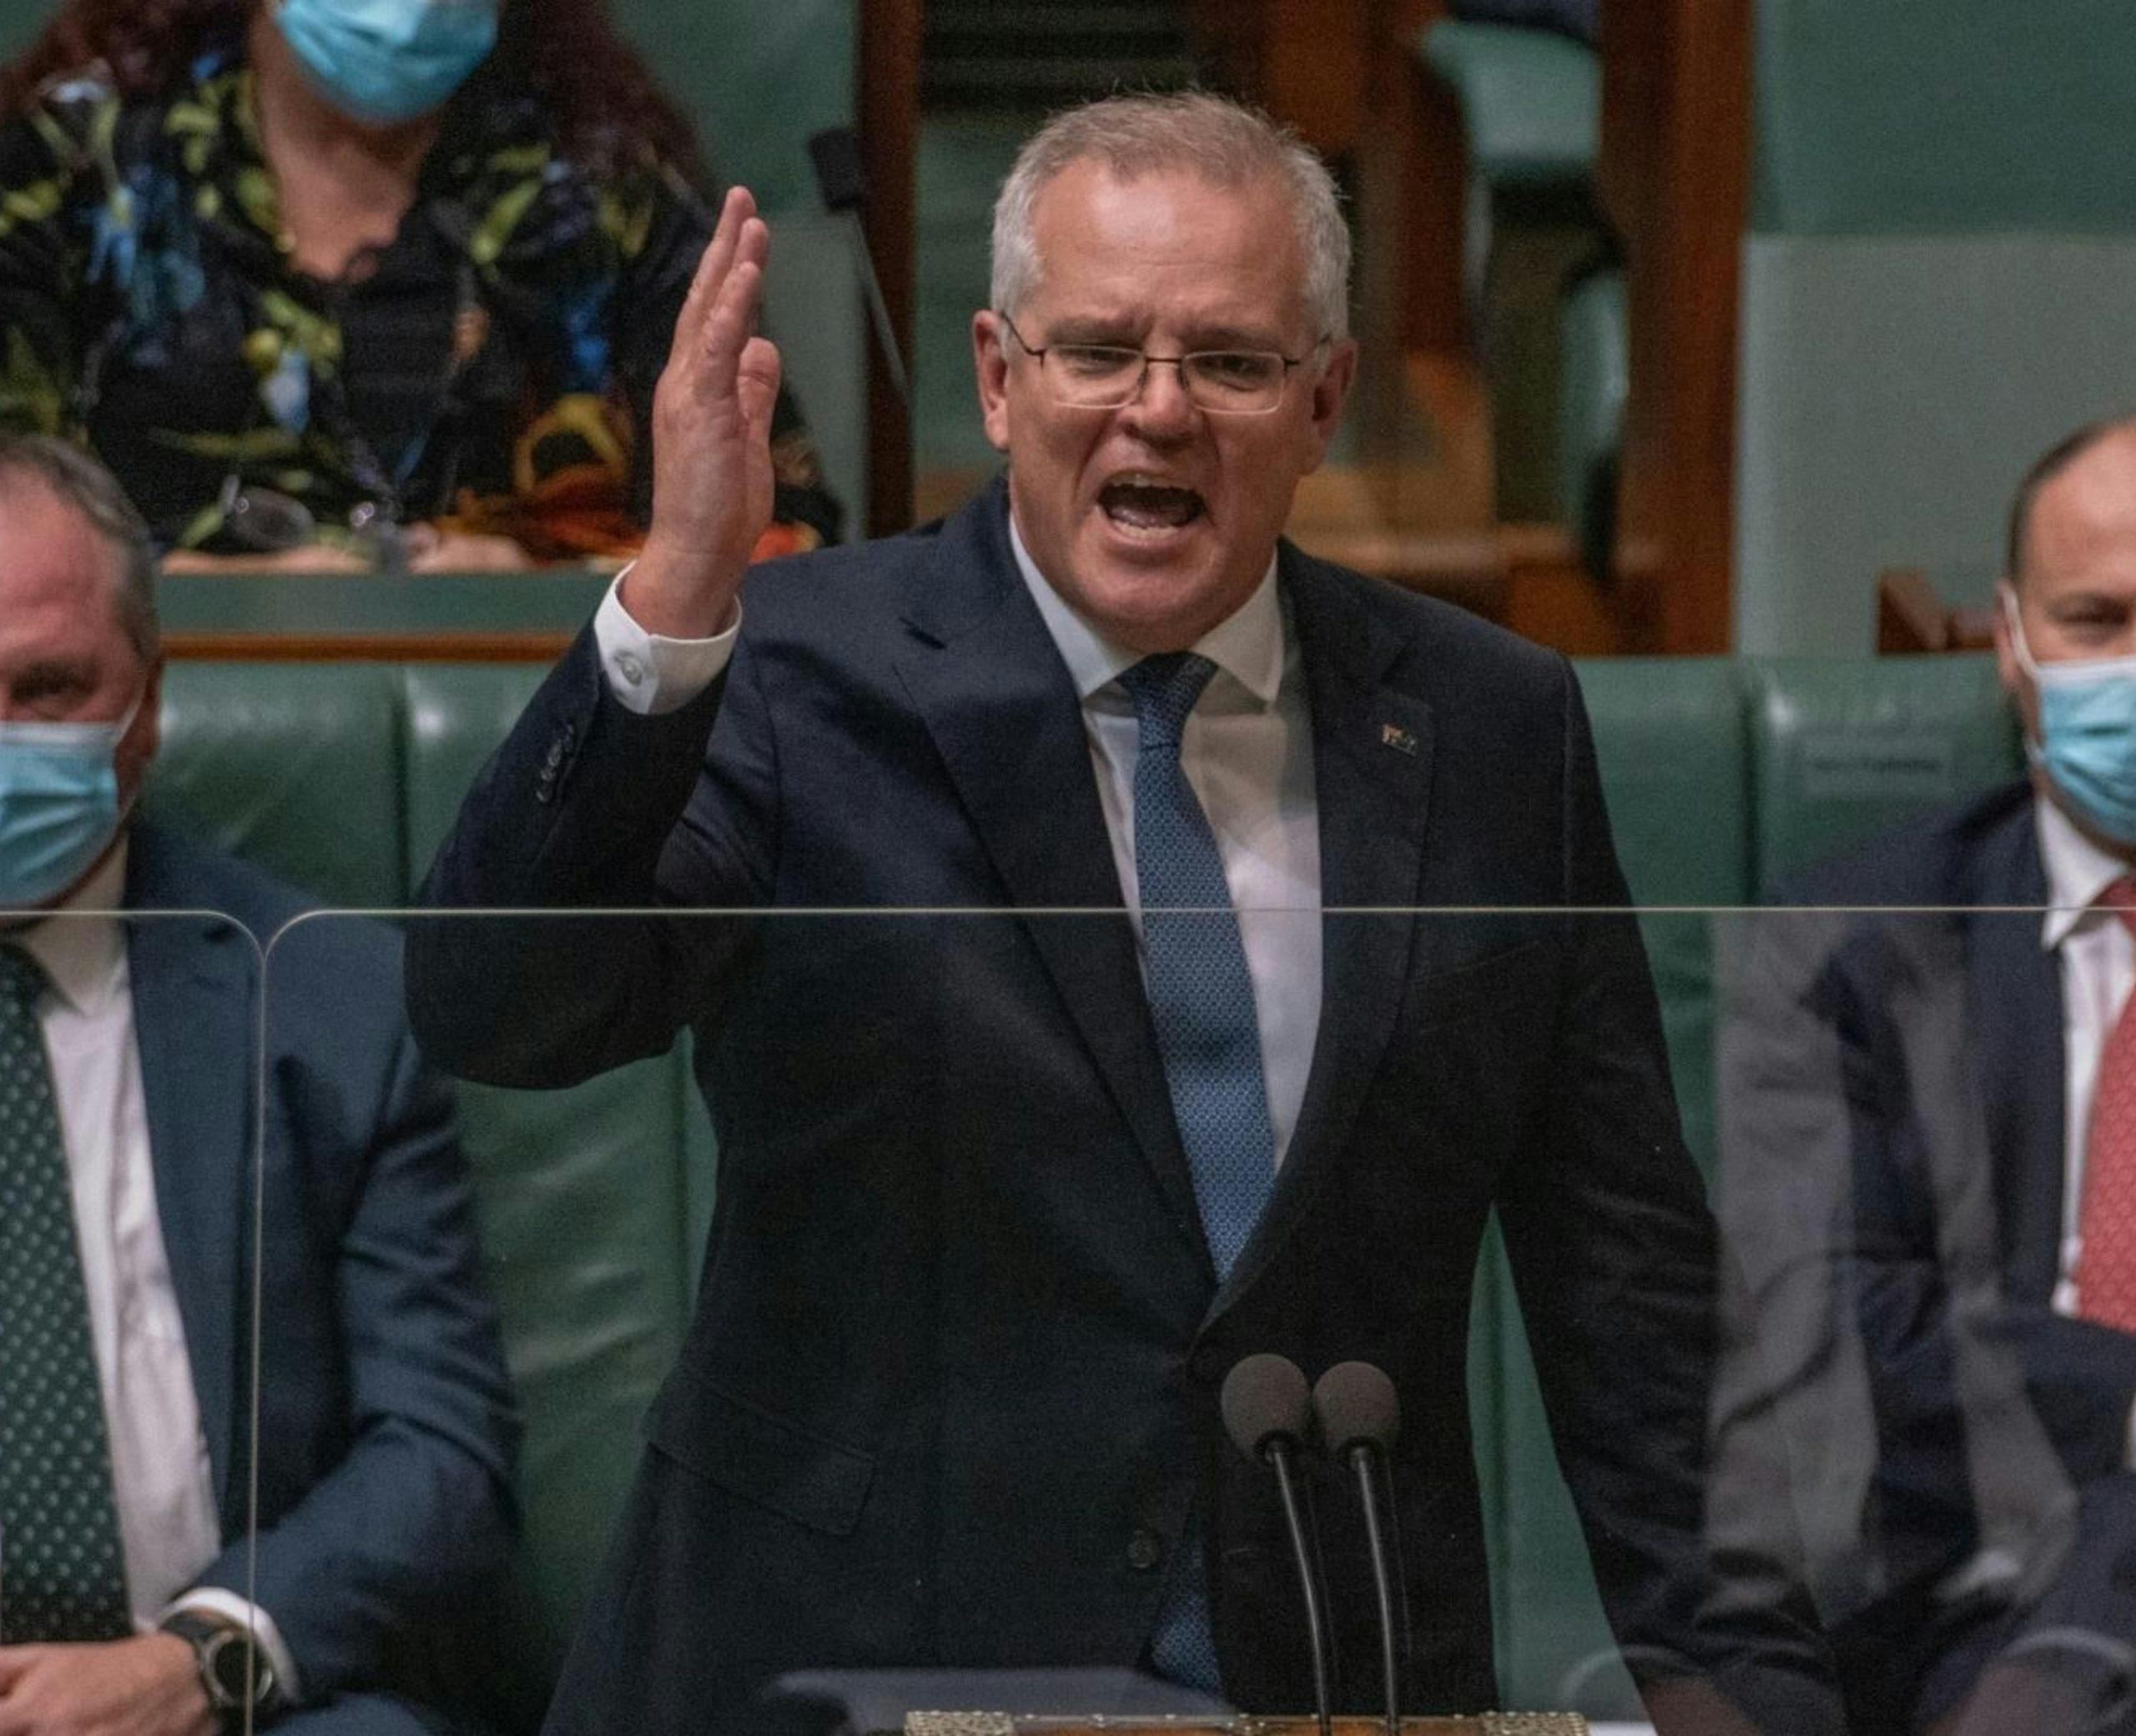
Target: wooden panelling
[
  {"x": 887, "y": 107},
  {"x": 1675, "y": 182}
]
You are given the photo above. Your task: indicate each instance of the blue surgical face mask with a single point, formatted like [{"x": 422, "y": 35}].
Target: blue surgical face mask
[
  {"x": 58, "y": 804},
  {"x": 387, "y": 60},
  {"x": 2087, "y": 742}
]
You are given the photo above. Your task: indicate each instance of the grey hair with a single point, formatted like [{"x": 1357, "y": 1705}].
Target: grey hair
[
  {"x": 1223, "y": 141},
  {"x": 79, "y": 481}
]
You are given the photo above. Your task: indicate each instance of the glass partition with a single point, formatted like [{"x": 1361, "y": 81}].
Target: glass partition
[{"x": 919, "y": 1348}]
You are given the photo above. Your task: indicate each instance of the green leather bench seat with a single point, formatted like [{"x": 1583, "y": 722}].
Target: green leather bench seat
[
  {"x": 295, "y": 767},
  {"x": 1719, "y": 774}
]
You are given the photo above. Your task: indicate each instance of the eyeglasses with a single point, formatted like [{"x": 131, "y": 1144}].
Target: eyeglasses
[
  {"x": 267, "y": 522},
  {"x": 1105, "y": 377}
]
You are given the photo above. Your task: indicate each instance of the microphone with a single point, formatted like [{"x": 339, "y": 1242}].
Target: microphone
[
  {"x": 1268, "y": 1414},
  {"x": 1360, "y": 1417},
  {"x": 834, "y": 154}
]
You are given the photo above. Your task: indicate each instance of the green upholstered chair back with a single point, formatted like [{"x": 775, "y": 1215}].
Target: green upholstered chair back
[
  {"x": 1531, "y": 100},
  {"x": 1837, "y": 759},
  {"x": 291, "y": 766},
  {"x": 1935, "y": 288}
]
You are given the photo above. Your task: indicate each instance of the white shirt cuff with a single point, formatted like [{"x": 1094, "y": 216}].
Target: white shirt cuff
[
  {"x": 214, "y": 1600},
  {"x": 650, "y": 674}
]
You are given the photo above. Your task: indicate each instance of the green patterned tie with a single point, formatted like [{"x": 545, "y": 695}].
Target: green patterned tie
[{"x": 63, "y": 1576}]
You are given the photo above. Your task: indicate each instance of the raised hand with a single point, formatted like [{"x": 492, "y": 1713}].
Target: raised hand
[{"x": 712, "y": 476}]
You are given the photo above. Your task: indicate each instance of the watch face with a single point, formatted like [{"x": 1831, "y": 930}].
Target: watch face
[{"x": 239, "y": 1671}]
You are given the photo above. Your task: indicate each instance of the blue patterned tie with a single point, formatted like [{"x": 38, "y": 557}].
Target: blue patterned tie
[
  {"x": 63, "y": 1576},
  {"x": 1209, "y": 1038}
]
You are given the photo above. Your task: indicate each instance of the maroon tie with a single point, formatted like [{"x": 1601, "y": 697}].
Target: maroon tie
[{"x": 2106, "y": 1266}]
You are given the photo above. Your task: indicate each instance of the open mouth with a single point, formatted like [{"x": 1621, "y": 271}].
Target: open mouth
[{"x": 1147, "y": 508}]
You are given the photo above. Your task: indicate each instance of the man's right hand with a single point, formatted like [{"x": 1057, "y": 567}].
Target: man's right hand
[
  {"x": 147, "y": 1685},
  {"x": 712, "y": 475}
]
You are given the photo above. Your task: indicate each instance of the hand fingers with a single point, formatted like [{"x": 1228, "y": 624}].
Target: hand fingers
[
  {"x": 713, "y": 265},
  {"x": 759, "y": 384},
  {"x": 728, "y": 332}
]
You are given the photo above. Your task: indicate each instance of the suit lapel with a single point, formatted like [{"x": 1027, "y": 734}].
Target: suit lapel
[
  {"x": 988, "y": 682},
  {"x": 1372, "y": 752},
  {"x": 193, "y": 986},
  {"x": 2015, "y": 990}
]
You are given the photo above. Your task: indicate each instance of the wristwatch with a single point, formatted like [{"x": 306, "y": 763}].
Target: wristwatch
[{"x": 234, "y": 1669}]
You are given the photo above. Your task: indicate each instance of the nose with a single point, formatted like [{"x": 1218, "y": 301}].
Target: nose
[{"x": 1161, "y": 409}]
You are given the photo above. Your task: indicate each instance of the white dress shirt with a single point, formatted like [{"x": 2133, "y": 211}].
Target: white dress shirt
[
  {"x": 1246, "y": 751},
  {"x": 2098, "y": 967},
  {"x": 161, "y": 1476}
]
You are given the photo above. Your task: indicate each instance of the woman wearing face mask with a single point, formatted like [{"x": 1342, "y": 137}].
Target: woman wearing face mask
[{"x": 306, "y": 274}]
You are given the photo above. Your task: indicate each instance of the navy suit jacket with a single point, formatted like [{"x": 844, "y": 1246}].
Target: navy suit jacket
[
  {"x": 1937, "y": 1037},
  {"x": 385, "y": 1431},
  {"x": 950, "y": 1391}
]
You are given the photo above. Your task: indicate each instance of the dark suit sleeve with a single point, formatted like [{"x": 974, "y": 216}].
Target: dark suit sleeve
[
  {"x": 571, "y": 814},
  {"x": 1613, "y": 1255},
  {"x": 406, "y": 1530}
]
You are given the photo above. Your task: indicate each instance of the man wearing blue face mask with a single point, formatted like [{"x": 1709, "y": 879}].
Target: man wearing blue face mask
[
  {"x": 1929, "y": 1151},
  {"x": 127, "y": 1054}
]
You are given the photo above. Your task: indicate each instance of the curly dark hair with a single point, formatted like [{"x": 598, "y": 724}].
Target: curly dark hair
[{"x": 608, "y": 105}]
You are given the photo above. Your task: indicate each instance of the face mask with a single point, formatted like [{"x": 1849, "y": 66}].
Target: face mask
[
  {"x": 58, "y": 804},
  {"x": 2087, "y": 741},
  {"x": 385, "y": 61}
]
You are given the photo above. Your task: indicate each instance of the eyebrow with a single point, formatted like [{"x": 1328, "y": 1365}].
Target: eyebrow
[
  {"x": 1116, "y": 333},
  {"x": 50, "y": 672}
]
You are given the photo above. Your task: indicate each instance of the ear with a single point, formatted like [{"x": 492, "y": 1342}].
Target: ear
[
  {"x": 2011, "y": 672},
  {"x": 138, "y": 748},
  {"x": 990, "y": 359},
  {"x": 1331, "y": 393}
]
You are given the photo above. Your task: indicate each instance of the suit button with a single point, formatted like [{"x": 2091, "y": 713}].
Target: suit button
[
  {"x": 1144, "y": 1550},
  {"x": 1206, "y": 1364}
]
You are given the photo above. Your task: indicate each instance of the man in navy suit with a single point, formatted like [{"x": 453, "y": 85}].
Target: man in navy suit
[
  {"x": 1922, "y": 1152},
  {"x": 1010, "y": 1181},
  {"x": 374, "y": 1453}
]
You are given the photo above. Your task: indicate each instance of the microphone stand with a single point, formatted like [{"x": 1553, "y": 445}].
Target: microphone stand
[
  {"x": 1278, "y": 1454},
  {"x": 1267, "y": 1411},
  {"x": 1360, "y": 1417},
  {"x": 1361, "y": 1456}
]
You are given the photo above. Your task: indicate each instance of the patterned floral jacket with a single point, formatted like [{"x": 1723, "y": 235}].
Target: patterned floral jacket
[{"x": 150, "y": 308}]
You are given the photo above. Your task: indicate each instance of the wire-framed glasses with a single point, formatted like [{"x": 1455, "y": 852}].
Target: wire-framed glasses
[{"x": 1105, "y": 377}]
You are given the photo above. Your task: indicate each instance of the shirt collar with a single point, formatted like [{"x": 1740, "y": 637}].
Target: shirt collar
[
  {"x": 2077, "y": 871},
  {"x": 82, "y": 953},
  {"x": 1247, "y": 645}
]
